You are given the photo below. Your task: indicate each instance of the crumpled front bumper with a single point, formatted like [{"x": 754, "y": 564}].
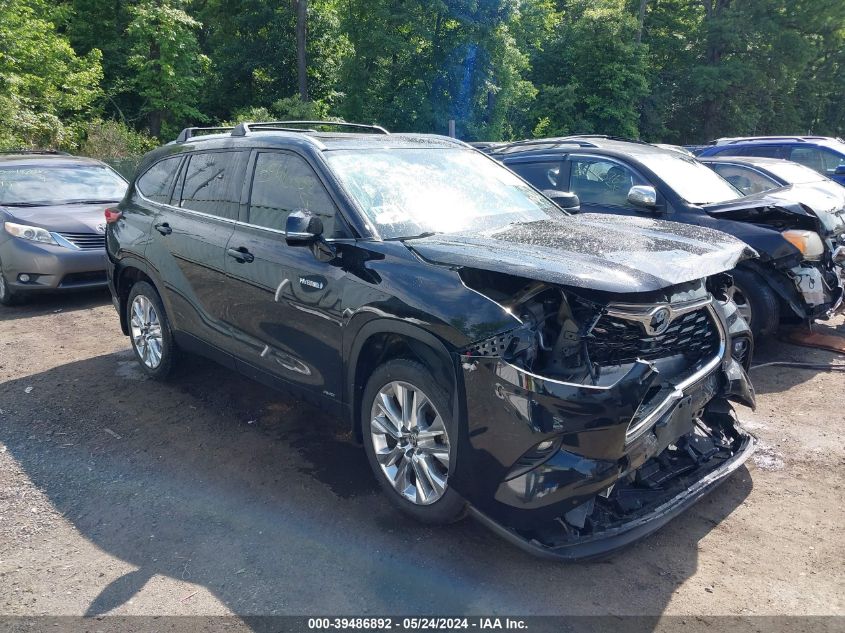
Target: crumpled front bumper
[
  {"x": 598, "y": 441},
  {"x": 638, "y": 527}
]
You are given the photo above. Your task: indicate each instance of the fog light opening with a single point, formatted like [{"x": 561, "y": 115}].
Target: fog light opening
[{"x": 24, "y": 278}]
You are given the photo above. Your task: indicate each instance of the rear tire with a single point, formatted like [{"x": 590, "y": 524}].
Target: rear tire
[
  {"x": 411, "y": 441},
  {"x": 150, "y": 332},
  {"x": 755, "y": 299}
]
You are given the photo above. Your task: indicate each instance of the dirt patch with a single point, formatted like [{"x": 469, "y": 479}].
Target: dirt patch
[{"x": 211, "y": 494}]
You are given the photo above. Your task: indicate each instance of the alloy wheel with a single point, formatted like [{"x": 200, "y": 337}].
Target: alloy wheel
[
  {"x": 3, "y": 288},
  {"x": 743, "y": 305},
  {"x": 411, "y": 442},
  {"x": 146, "y": 331}
]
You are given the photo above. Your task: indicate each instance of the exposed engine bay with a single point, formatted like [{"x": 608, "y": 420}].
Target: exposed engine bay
[{"x": 585, "y": 338}]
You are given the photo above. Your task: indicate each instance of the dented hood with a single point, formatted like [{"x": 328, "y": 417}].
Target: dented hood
[{"x": 596, "y": 251}]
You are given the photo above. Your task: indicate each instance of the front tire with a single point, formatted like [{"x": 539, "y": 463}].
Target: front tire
[
  {"x": 7, "y": 297},
  {"x": 411, "y": 441},
  {"x": 149, "y": 331},
  {"x": 756, "y": 302}
]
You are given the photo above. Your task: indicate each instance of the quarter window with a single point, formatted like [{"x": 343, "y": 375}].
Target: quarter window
[
  {"x": 284, "y": 183},
  {"x": 213, "y": 183},
  {"x": 602, "y": 182},
  {"x": 747, "y": 180},
  {"x": 157, "y": 182}
]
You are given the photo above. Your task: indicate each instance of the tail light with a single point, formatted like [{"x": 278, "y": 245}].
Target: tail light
[{"x": 113, "y": 215}]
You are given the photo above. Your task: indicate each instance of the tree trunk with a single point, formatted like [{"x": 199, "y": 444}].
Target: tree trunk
[
  {"x": 641, "y": 23},
  {"x": 301, "y": 59},
  {"x": 155, "y": 118}
]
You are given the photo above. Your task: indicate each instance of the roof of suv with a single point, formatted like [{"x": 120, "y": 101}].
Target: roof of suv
[
  {"x": 287, "y": 131},
  {"x": 777, "y": 140},
  {"x": 570, "y": 143}
]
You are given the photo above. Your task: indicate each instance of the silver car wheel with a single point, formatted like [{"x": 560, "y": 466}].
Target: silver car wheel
[
  {"x": 743, "y": 306},
  {"x": 3, "y": 288},
  {"x": 146, "y": 331},
  {"x": 410, "y": 442}
]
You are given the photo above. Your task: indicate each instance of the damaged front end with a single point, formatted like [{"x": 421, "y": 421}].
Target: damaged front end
[{"x": 599, "y": 417}]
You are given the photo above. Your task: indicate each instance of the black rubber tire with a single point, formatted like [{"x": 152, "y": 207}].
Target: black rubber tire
[
  {"x": 765, "y": 307},
  {"x": 7, "y": 297},
  {"x": 169, "y": 351},
  {"x": 451, "y": 506}
]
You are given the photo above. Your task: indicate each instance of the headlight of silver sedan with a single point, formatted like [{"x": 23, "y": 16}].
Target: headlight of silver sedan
[{"x": 31, "y": 233}]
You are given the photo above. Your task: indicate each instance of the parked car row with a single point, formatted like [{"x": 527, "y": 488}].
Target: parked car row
[
  {"x": 798, "y": 231},
  {"x": 548, "y": 335}
]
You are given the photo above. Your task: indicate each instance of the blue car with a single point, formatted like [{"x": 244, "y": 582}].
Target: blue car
[{"x": 823, "y": 154}]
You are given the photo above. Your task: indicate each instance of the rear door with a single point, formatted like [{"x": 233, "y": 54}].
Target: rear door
[
  {"x": 285, "y": 303},
  {"x": 189, "y": 241}
]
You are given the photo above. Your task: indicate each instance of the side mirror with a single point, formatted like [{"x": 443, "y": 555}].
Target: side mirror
[
  {"x": 302, "y": 227},
  {"x": 644, "y": 196},
  {"x": 839, "y": 171},
  {"x": 566, "y": 200}
]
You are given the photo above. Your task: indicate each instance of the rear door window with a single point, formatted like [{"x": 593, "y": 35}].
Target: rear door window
[
  {"x": 542, "y": 175},
  {"x": 213, "y": 183},
  {"x": 601, "y": 181},
  {"x": 283, "y": 183},
  {"x": 818, "y": 159},
  {"x": 766, "y": 151},
  {"x": 157, "y": 182}
]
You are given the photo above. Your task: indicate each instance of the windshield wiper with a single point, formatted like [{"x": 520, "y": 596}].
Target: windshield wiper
[
  {"x": 415, "y": 237},
  {"x": 24, "y": 204}
]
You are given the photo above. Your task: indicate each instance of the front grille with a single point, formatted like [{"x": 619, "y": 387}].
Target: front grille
[
  {"x": 616, "y": 341},
  {"x": 83, "y": 279},
  {"x": 86, "y": 241}
]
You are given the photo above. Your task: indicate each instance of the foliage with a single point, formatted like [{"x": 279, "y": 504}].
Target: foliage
[
  {"x": 671, "y": 70},
  {"x": 165, "y": 63},
  {"x": 112, "y": 140},
  {"x": 44, "y": 84}
]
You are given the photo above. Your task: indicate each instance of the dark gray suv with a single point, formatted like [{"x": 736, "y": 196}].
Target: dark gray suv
[{"x": 52, "y": 232}]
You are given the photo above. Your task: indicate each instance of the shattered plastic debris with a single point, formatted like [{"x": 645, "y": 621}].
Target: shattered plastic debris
[
  {"x": 767, "y": 458},
  {"x": 28, "y": 390}
]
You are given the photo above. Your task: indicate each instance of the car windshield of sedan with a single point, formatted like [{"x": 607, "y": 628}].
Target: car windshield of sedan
[
  {"x": 407, "y": 192},
  {"x": 42, "y": 185},
  {"x": 693, "y": 181}
]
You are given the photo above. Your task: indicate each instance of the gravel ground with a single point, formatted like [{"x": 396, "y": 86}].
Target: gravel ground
[{"x": 213, "y": 495}]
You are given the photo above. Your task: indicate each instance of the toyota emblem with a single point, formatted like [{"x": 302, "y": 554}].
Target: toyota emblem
[{"x": 660, "y": 320}]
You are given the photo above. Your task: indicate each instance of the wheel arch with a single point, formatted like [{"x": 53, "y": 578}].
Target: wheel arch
[
  {"x": 383, "y": 339},
  {"x": 127, "y": 274}
]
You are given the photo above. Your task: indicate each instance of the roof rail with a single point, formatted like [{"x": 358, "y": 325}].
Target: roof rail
[
  {"x": 190, "y": 132},
  {"x": 609, "y": 137},
  {"x": 543, "y": 141},
  {"x": 244, "y": 128},
  {"x": 788, "y": 137}
]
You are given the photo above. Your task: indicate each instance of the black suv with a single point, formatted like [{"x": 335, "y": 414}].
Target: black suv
[
  {"x": 565, "y": 379},
  {"x": 795, "y": 276}
]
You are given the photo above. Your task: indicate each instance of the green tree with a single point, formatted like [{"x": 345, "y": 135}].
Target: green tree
[
  {"x": 166, "y": 66},
  {"x": 593, "y": 74},
  {"x": 44, "y": 85}
]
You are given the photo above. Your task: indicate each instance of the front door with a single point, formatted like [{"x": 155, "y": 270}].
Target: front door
[
  {"x": 602, "y": 184},
  {"x": 285, "y": 305}
]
